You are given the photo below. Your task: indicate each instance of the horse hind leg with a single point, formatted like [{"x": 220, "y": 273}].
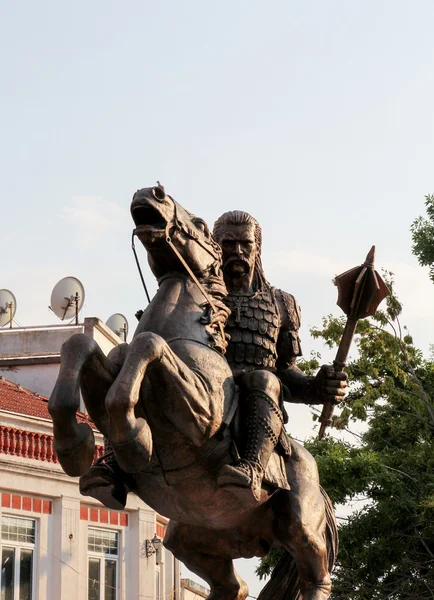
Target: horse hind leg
[
  {"x": 199, "y": 549},
  {"x": 301, "y": 525},
  {"x": 74, "y": 442}
]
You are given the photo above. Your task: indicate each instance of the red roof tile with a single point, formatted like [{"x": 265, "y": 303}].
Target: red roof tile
[{"x": 17, "y": 399}]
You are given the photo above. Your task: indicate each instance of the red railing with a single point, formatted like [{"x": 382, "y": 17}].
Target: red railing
[{"x": 28, "y": 444}]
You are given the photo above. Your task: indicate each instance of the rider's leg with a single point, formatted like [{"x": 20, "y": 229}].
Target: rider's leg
[
  {"x": 262, "y": 422},
  {"x": 193, "y": 399},
  {"x": 300, "y": 524},
  {"x": 74, "y": 442},
  {"x": 201, "y": 551}
]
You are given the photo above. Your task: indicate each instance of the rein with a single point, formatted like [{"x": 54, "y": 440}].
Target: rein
[{"x": 138, "y": 266}]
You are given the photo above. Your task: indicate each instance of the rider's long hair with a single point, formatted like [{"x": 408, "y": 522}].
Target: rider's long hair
[{"x": 239, "y": 217}]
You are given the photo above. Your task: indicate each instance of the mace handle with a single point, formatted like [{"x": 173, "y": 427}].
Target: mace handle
[{"x": 339, "y": 365}]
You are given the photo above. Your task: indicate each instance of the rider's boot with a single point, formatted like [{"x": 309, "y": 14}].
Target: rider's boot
[
  {"x": 105, "y": 481},
  {"x": 263, "y": 421}
]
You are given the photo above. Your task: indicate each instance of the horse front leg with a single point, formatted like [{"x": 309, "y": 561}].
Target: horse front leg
[
  {"x": 185, "y": 399},
  {"x": 82, "y": 361}
]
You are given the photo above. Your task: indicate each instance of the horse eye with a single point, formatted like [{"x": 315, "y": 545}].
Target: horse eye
[{"x": 200, "y": 224}]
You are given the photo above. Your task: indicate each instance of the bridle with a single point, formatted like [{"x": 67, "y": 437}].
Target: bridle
[{"x": 177, "y": 225}]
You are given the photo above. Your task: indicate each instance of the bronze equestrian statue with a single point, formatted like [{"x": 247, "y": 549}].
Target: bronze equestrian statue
[{"x": 168, "y": 403}]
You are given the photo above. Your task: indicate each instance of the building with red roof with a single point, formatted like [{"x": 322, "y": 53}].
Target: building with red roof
[{"x": 56, "y": 544}]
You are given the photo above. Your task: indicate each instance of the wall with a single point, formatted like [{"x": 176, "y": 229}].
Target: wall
[
  {"x": 22, "y": 341},
  {"x": 192, "y": 590},
  {"x": 40, "y": 490},
  {"x": 30, "y": 356}
]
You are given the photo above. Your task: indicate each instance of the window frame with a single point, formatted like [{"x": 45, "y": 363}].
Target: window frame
[
  {"x": 17, "y": 546},
  {"x": 103, "y": 557}
]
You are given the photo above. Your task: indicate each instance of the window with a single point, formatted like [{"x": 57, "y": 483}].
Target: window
[
  {"x": 103, "y": 550},
  {"x": 17, "y": 547}
]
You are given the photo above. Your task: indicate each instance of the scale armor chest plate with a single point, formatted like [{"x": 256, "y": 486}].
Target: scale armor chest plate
[{"x": 254, "y": 327}]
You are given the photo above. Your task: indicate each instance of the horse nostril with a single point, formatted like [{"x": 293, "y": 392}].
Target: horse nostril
[{"x": 158, "y": 193}]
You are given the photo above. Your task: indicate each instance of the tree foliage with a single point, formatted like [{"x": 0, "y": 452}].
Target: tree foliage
[
  {"x": 387, "y": 545},
  {"x": 422, "y": 233}
]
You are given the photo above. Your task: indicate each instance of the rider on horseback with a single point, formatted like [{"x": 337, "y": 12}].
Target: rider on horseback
[{"x": 262, "y": 350}]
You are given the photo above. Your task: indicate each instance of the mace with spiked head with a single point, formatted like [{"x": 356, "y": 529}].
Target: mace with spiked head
[{"x": 360, "y": 291}]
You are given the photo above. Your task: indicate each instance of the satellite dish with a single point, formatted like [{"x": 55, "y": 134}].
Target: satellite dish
[
  {"x": 119, "y": 324},
  {"x": 67, "y": 298},
  {"x": 8, "y": 307}
]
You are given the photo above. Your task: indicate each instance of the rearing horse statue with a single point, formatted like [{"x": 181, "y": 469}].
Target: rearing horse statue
[{"x": 166, "y": 403}]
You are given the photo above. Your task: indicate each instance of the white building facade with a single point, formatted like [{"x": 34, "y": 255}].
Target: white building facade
[{"x": 56, "y": 544}]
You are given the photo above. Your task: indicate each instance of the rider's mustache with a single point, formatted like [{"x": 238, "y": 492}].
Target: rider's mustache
[{"x": 236, "y": 259}]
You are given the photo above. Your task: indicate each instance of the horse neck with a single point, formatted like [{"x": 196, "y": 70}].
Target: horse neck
[
  {"x": 179, "y": 287},
  {"x": 175, "y": 310}
]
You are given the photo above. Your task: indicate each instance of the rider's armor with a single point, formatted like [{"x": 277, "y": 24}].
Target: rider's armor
[
  {"x": 253, "y": 327},
  {"x": 263, "y": 331}
]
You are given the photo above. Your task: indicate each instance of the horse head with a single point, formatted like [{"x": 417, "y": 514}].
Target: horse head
[{"x": 162, "y": 223}]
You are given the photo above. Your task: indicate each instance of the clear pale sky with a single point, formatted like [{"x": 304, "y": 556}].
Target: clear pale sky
[{"x": 315, "y": 117}]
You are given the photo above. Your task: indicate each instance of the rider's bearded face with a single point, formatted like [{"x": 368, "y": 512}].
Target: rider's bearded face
[{"x": 239, "y": 249}]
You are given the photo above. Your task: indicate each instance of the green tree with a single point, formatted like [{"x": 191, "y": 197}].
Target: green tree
[
  {"x": 422, "y": 232},
  {"x": 387, "y": 546}
]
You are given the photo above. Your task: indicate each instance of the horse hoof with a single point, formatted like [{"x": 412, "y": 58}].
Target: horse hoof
[
  {"x": 76, "y": 455},
  {"x": 102, "y": 483},
  {"x": 134, "y": 455}
]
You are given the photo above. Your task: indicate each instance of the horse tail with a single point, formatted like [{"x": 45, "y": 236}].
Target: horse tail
[{"x": 284, "y": 583}]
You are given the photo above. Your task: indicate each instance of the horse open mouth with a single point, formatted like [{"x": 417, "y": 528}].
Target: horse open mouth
[{"x": 148, "y": 217}]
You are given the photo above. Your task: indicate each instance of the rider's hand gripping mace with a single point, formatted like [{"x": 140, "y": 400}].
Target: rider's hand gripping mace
[{"x": 360, "y": 291}]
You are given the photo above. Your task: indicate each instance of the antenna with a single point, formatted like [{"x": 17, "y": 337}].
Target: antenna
[
  {"x": 119, "y": 324},
  {"x": 8, "y": 307},
  {"x": 67, "y": 298}
]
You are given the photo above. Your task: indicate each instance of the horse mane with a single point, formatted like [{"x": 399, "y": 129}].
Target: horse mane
[
  {"x": 214, "y": 285},
  {"x": 215, "y": 313}
]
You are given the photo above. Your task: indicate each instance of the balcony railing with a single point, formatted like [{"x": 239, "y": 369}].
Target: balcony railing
[{"x": 28, "y": 444}]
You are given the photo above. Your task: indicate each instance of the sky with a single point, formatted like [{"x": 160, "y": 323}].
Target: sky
[{"x": 315, "y": 117}]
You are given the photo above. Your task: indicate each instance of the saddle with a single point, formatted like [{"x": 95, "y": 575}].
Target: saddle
[{"x": 107, "y": 483}]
